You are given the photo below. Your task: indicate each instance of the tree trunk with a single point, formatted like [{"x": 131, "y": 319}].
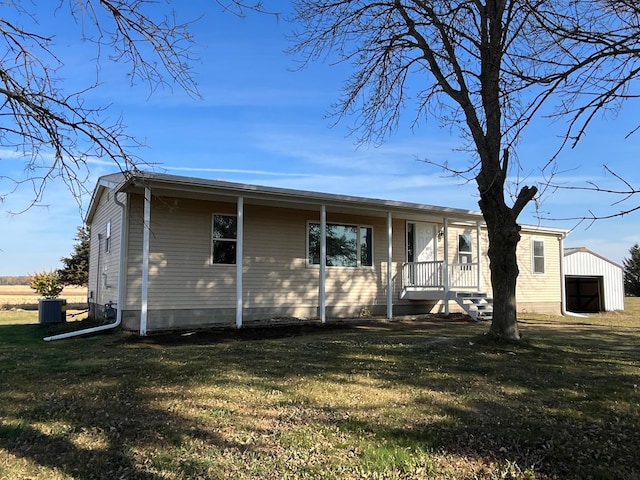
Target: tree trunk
[
  {"x": 503, "y": 242},
  {"x": 504, "y": 235}
]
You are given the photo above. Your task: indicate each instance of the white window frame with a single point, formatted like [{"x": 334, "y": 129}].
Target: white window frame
[
  {"x": 358, "y": 227},
  {"x": 467, "y": 253},
  {"x": 534, "y": 257},
  {"x": 107, "y": 238},
  {"x": 214, "y": 239}
]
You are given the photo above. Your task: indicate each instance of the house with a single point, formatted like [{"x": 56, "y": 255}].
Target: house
[
  {"x": 592, "y": 282},
  {"x": 176, "y": 252}
]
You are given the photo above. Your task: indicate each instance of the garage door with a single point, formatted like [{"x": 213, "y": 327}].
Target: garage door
[{"x": 584, "y": 294}]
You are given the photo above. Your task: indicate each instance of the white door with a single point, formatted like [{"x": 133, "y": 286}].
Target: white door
[
  {"x": 425, "y": 242},
  {"x": 421, "y": 247}
]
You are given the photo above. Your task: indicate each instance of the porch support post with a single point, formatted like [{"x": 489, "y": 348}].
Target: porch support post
[
  {"x": 239, "y": 258},
  {"x": 478, "y": 246},
  {"x": 144, "y": 295},
  {"x": 445, "y": 266},
  {"x": 323, "y": 264},
  {"x": 389, "y": 266}
]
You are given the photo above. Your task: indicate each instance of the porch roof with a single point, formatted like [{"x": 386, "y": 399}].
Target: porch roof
[{"x": 200, "y": 188}]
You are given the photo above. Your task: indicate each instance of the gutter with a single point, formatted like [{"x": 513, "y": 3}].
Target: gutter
[{"x": 121, "y": 282}]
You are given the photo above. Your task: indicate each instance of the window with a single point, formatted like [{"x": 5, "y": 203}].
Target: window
[
  {"x": 410, "y": 242},
  {"x": 224, "y": 239},
  {"x": 107, "y": 241},
  {"x": 538, "y": 256},
  {"x": 465, "y": 251},
  {"x": 347, "y": 245}
]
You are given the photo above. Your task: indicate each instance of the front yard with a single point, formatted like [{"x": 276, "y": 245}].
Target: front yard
[{"x": 411, "y": 399}]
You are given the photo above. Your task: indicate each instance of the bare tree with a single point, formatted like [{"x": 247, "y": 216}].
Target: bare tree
[
  {"x": 485, "y": 68},
  {"x": 57, "y": 132}
]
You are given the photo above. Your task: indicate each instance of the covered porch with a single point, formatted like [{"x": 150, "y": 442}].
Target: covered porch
[{"x": 456, "y": 277}]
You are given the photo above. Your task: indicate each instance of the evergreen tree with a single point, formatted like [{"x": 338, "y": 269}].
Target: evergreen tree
[
  {"x": 632, "y": 272},
  {"x": 76, "y": 266}
]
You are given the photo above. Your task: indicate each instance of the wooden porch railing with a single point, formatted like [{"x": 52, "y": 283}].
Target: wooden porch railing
[
  {"x": 422, "y": 274},
  {"x": 430, "y": 275}
]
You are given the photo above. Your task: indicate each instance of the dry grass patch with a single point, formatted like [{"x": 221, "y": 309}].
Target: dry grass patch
[
  {"x": 23, "y": 296},
  {"x": 403, "y": 400}
]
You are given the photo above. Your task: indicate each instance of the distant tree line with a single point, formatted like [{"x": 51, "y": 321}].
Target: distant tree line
[{"x": 14, "y": 280}]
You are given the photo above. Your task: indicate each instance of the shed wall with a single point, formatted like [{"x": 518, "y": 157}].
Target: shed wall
[{"x": 586, "y": 264}]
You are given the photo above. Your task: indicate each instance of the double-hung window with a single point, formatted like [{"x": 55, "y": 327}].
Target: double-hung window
[
  {"x": 347, "y": 245},
  {"x": 465, "y": 250},
  {"x": 224, "y": 239},
  {"x": 537, "y": 248}
]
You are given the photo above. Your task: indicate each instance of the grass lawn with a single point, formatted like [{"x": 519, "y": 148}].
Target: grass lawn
[{"x": 410, "y": 399}]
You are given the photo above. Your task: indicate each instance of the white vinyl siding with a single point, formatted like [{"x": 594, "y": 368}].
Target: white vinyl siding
[
  {"x": 275, "y": 261},
  {"x": 180, "y": 273},
  {"x": 534, "y": 292},
  {"x": 541, "y": 293},
  {"x": 275, "y": 270},
  {"x": 104, "y": 264}
]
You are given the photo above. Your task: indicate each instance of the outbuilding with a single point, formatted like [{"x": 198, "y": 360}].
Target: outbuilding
[{"x": 592, "y": 283}]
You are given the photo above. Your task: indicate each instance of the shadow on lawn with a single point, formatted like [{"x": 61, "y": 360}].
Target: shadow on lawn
[
  {"x": 563, "y": 402},
  {"x": 82, "y": 412}
]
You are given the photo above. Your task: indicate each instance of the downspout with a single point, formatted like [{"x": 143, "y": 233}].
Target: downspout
[
  {"x": 121, "y": 282},
  {"x": 97, "y": 297},
  {"x": 563, "y": 293}
]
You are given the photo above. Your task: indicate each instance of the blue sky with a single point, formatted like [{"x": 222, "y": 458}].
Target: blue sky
[{"x": 263, "y": 121}]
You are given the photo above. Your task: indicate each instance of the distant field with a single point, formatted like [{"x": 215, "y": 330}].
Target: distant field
[{"x": 22, "y": 296}]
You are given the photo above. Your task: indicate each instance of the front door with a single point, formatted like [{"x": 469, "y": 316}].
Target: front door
[{"x": 421, "y": 247}]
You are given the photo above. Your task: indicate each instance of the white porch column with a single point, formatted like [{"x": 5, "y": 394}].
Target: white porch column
[
  {"x": 478, "y": 249},
  {"x": 323, "y": 264},
  {"x": 445, "y": 265},
  {"x": 389, "y": 266},
  {"x": 239, "y": 258},
  {"x": 144, "y": 296}
]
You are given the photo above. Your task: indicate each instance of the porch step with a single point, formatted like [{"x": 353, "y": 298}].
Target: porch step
[{"x": 476, "y": 304}]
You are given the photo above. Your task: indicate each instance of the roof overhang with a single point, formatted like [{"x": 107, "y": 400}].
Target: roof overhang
[
  {"x": 218, "y": 190},
  {"x": 167, "y": 185}
]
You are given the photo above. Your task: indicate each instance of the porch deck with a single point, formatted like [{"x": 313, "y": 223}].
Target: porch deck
[{"x": 460, "y": 282}]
